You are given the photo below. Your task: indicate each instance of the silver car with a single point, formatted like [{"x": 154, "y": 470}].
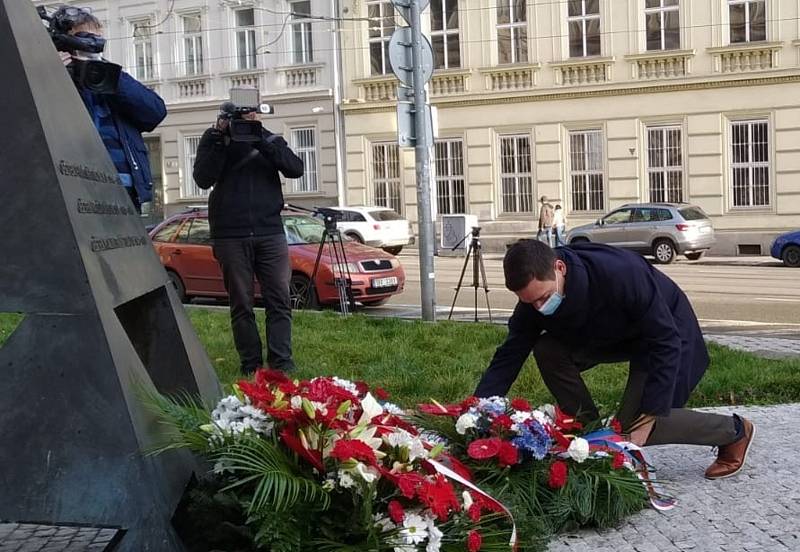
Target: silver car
[{"x": 662, "y": 230}]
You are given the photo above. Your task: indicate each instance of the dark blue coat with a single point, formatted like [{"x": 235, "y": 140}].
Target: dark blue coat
[
  {"x": 120, "y": 120},
  {"x": 615, "y": 304}
]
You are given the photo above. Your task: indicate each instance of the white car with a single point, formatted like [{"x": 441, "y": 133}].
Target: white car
[{"x": 375, "y": 226}]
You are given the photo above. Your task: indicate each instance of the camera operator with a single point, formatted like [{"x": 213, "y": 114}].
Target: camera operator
[
  {"x": 120, "y": 117},
  {"x": 247, "y": 231}
]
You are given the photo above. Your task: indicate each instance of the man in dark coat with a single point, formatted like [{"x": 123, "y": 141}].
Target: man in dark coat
[
  {"x": 589, "y": 304},
  {"x": 244, "y": 212}
]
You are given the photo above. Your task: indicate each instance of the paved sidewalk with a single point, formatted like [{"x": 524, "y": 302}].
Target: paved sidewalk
[
  {"x": 29, "y": 537},
  {"x": 768, "y": 347},
  {"x": 756, "y": 511}
]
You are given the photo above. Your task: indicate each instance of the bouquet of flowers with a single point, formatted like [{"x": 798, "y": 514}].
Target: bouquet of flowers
[{"x": 323, "y": 464}]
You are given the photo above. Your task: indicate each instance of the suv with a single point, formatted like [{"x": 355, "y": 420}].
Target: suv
[
  {"x": 375, "y": 226},
  {"x": 662, "y": 230}
]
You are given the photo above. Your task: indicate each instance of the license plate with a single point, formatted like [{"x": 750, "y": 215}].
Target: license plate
[{"x": 384, "y": 282}]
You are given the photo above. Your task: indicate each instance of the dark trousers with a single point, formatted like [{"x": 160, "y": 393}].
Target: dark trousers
[
  {"x": 561, "y": 369},
  {"x": 267, "y": 259}
]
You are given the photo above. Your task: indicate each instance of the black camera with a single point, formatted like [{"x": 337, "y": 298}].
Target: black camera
[
  {"x": 244, "y": 101},
  {"x": 87, "y": 68},
  {"x": 329, "y": 217}
]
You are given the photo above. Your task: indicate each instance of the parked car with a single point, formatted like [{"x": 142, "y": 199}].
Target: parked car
[
  {"x": 786, "y": 247},
  {"x": 183, "y": 244},
  {"x": 376, "y": 226},
  {"x": 662, "y": 230}
]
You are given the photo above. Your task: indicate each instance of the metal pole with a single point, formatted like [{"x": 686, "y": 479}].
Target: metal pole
[
  {"x": 338, "y": 116},
  {"x": 427, "y": 275}
]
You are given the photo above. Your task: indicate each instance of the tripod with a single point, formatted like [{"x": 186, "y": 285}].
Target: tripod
[
  {"x": 477, "y": 265},
  {"x": 332, "y": 238}
]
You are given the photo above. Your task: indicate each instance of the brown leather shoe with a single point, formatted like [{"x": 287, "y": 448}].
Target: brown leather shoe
[{"x": 731, "y": 458}]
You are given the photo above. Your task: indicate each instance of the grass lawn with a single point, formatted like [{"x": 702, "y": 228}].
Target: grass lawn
[{"x": 417, "y": 361}]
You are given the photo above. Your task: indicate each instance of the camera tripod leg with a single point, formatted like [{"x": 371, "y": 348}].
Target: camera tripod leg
[
  {"x": 460, "y": 280},
  {"x": 313, "y": 283},
  {"x": 485, "y": 285}
]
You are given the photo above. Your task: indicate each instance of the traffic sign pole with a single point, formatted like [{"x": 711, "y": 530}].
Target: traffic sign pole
[{"x": 423, "y": 167}]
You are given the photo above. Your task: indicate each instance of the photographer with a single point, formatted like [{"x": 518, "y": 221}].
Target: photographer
[
  {"x": 245, "y": 217},
  {"x": 120, "y": 116}
]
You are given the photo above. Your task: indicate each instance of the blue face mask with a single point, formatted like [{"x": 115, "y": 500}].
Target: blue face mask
[{"x": 553, "y": 302}]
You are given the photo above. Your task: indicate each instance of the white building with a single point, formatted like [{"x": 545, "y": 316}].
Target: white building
[
  {"x": 193, "y": 51},
  {"x": 593, "y": 103}
]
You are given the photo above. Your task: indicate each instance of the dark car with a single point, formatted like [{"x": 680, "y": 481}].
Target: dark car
[
  {"x": 786, "y": 247},
  {"x": 183, "y": 244}
]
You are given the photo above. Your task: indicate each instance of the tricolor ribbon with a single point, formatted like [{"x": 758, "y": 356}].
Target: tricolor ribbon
[
  {"x": 607, "y": 440},
  {"x": 450, "y": 474}
]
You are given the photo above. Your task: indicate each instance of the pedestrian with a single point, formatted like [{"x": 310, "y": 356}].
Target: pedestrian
[
  {"x": 559, "y": 225},
  {"x": 545, "y": 222},
  {"x": 247, "y": 232},
  {"x": 119, "y": 117},
  {"x": 590, "y": 304}
]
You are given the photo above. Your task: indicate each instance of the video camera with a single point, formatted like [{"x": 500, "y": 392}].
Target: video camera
[
  {"x": 244, "y": 101},
  {"x": 88, "y": 69}
]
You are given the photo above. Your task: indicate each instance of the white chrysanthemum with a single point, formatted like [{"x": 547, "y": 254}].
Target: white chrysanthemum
[
  {"x": 296, "y": 402},
  {"x": 399, "y": 438},
  {"x": 415, "y": 529},
  {"x": 346, "y": 480},
  {"x": 392, "y": 408},
  {"x": 383, "y": 523},
  {"x": 578, "y": 449},
  {"x": 234, "y": 416},
  {"x": 434, "y": 536},
  {"x": 345, "y": 384},
  {"x": 465, "y": 422},
  {"x": 542, "y": 417}
]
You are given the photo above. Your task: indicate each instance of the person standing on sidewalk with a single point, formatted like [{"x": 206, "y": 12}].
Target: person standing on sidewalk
[
  {"x": 559, "y": 226},
  {"x": 590, "y": 304},
  {"x": 545, "y": 222},
  {"x": 244, "y": 212}
]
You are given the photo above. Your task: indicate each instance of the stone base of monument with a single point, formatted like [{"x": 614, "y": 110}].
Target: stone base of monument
[{"x": 57, "y": 538}]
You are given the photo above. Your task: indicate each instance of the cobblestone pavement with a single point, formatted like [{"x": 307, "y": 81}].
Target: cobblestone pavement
[
  {"x": 27, "y": 537},
  {"x": 756, "y": 511},
  {"x": 770, "y": 347}
]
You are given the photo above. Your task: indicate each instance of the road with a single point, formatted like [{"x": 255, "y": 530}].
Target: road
[{"x": 760, "y": 298}]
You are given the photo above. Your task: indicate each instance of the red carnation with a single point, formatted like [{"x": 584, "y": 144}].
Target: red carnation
[
  {"x": 267, "y": 376},
  {"x": 508, "y": 455},
  {"x": 558, "y": 474},
  {"x": 345, "y": 449},
  {"x": 361, "y": 387},
  {"x": 474, "y": 541},
  {"x": 481, "y": 449},
  {"x": 520, "y": 404},
  {"x": 474, "y": 512},
  {"x": 258, "y": 394},
  {"x": 440, "y": 497},
  {"x": 619, "y": 461},
  {"x": 503, "y": 421},
  {"x": 381, "y": 393},
  {"x": 408, "y": 483},
  {"x": 469, "y": 402},
  {"x": 616, "y": 425},
  {"x": 396, "y": 512}
]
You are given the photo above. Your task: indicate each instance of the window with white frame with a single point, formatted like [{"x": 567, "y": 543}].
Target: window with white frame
[
  {"x": 245, "y": 21},
  {"x": 302, "y": 51},
  {"x": 748, "y": 20},
  {"x": 444, "y": 34},
  {"x": 386, "y": 175},
  {"x": 586, "y": 170},
  {"x": 750, "y": 163},
  {"x": 382, "y": 24},
  {"x": 192, "y": 43},
  {"x": 188, "y": 187},
  {"x": 516, "y": 176},
  {"x": 449, "y": 159},
  {"x": 665, "y": 164},
  {"x": 583, "y": 19},
  {"x": 143, "y": 56},
  {"x": 662, "y": 24},
  {"x": 305, "y": 146},
  {"x": 512, "y": 31}
]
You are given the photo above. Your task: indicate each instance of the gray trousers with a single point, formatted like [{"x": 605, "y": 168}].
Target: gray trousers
[
  {"x": 561, "y": 369},
  {"x": 265, "y": 258}
]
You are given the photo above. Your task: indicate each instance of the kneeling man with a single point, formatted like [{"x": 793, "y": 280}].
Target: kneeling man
[{"x": 589, "y": 304}]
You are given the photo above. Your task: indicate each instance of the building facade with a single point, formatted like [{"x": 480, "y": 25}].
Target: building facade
[
  {"x": 193, "y": 51},
  {"x": 592, "y": 103}
]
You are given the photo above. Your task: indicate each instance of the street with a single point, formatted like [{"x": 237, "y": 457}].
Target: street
[{"x": 744, "y": 296}]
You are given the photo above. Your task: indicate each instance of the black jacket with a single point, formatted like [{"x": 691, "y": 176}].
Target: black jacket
[
  {"x": 614, "y": 302},
  {"x": 247, "y": 198}
]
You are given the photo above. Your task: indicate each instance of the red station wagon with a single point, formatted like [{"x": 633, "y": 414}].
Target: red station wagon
[{"x": 183, "y": 243}]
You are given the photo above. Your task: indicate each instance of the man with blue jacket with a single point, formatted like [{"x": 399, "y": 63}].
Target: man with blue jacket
[
  {"x": 120, "y": 118},
  {"x": 590, "y": 304}
]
